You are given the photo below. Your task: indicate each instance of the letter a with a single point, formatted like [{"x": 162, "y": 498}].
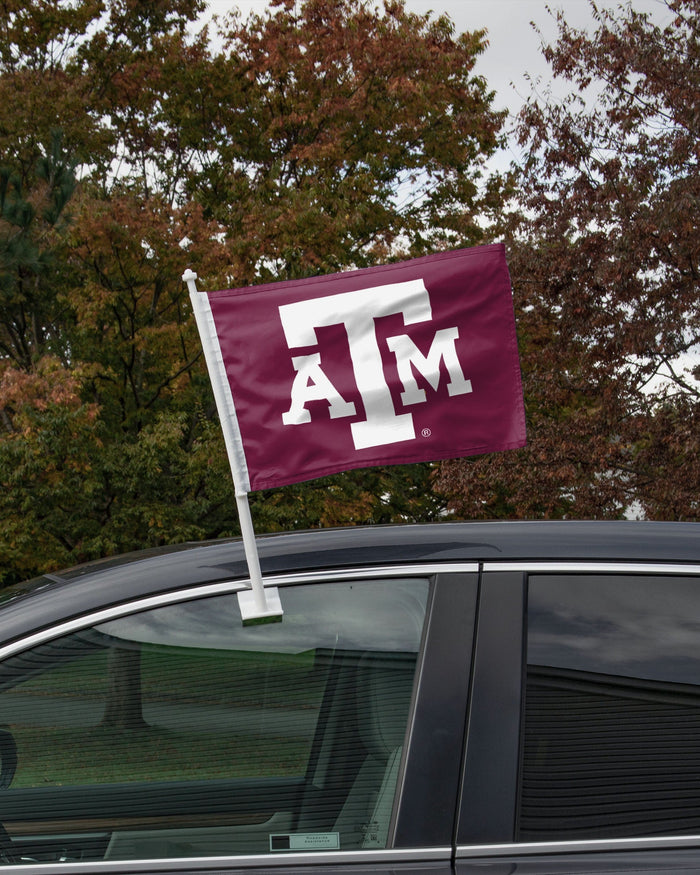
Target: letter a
[{"x": 312, "y": 384}]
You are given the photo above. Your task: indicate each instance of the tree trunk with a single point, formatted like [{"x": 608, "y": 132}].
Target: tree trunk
[{"x": 123, "y": 709}]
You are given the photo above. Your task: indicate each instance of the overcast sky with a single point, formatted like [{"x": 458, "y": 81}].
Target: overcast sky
[{"x": 513, "y": 44}]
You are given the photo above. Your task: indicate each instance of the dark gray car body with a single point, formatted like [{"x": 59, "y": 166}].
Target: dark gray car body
[{"x": 458, "y": 808}]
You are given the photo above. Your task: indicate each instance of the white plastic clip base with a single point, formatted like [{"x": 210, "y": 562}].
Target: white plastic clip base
[{"x": 251, "y": 612}]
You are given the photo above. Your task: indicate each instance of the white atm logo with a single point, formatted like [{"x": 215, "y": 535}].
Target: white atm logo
[{"x": 357, "y": 312}]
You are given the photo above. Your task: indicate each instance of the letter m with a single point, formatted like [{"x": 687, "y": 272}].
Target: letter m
[{"x": 408, "y": 357}]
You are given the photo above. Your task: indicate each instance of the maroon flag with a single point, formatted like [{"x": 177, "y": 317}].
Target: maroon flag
[{"x": 407, "y": 362}]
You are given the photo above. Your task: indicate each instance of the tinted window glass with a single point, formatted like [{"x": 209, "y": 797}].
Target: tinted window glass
[
  {"x": 179, "y": 732},
  {"x": 612, "y": 711}
]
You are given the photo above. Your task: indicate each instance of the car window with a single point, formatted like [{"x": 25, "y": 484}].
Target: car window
[
  {"x": 611, "y": 743},
  {"x": 179, "y": 732}
]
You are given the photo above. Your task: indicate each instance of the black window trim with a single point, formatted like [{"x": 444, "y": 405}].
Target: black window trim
[
  {"x": 427, "y": 798},
  {"x": 489, "y": 781}
]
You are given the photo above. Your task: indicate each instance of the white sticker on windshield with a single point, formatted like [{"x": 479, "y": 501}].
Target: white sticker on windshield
[{"x": 305, "y": 841}]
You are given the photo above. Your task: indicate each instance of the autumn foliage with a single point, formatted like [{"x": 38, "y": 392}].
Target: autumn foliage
[
  {"x": 323, "y": 135},
  {"x": 605, "y": 259},
  {"x": 133, "y": 144}
]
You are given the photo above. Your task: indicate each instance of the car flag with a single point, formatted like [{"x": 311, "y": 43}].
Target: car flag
[{"x": 407, "y": 362}]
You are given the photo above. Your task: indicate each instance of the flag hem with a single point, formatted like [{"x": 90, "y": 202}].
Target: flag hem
[{"x": 273, "y": 482}]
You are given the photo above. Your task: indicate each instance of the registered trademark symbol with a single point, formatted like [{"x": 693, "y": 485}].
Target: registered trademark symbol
[{"x": 426, "y": 432}]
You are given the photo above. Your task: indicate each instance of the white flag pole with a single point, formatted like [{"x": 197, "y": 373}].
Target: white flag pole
[{"x": 257, "y": 605}]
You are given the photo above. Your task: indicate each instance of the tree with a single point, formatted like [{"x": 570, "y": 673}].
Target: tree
[
  {"x": 32, "y": 219},
  {"x": 353, "y": 136},
  {"x": 321, "y": 135},
  {"x": 605, "y": 260}
]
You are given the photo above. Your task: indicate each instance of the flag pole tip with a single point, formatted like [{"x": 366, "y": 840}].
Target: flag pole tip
[{"x": 189, "y": 275}]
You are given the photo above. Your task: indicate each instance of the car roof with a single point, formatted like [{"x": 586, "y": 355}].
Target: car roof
[
  {"x": 620, "y": 540},
  {"x": 119, "y": 579}
]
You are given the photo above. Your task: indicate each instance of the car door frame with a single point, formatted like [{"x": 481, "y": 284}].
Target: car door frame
[
  {"x": 487, "y": 818},
  {"x": 424, "y": 817}
]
